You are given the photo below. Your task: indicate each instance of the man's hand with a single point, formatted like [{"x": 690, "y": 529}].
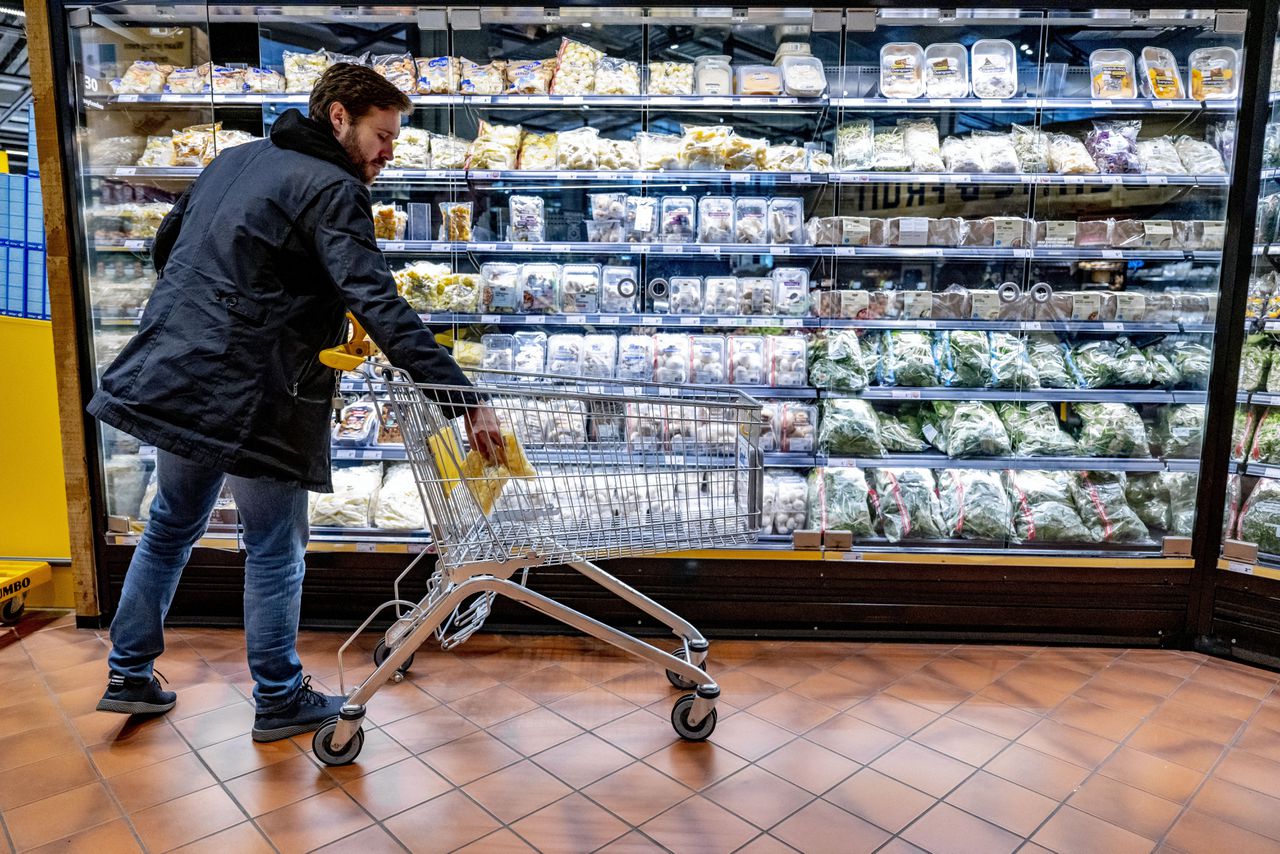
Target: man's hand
[{"x": 482, "y": 431}]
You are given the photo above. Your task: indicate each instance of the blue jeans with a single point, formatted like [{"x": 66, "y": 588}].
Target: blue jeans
[{"x": 274, "y": 517}]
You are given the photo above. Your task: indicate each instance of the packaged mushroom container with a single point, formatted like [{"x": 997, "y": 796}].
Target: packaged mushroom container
[
  {"x": 901, "y": 70},
  {"x": 531, "y": 352},
  {"x": 707, "y": 359},
  {"x": 528, "y": 219},
  {"x": 946, "y": 70},
  {"x": 791, "y": 291},
  {"x": 646, "y": 425},
  {"x": 599, "y": 355},
  {"x": 605, "y": 231},
  {"x": 618, "y": 290},
  {"x": 670, "y": 358},
  {"x": 499, "y": 352},
  {"x": 715, "y": 219},
  {"x": 564, "y": 355},
  {"x": 751, "y": 221},
  {"x": 685, "y": 295},
  {"x": 608, "y": 206},
  {"x": 799, "y": 427},
  {"x": 994, "y": 68},
  {"x": 640, "y": 222},
  {"x": 678, "y": 219},
  {"x": 770, "y": 419},
  {"x": 500, "y": 287},
  {"x": 539, "y": 288},
  {"x": 786, "y": 221},
  {"x": 755, "y": 295},
  {"x": 748, "y": 363},
  {"x": 787, "y": 361},
  {"x": 635, "y": 357},
  {"x": 721, "y": 295},
  {"x": 791, "y": 503},
  {"x": 580, "y": 288}
]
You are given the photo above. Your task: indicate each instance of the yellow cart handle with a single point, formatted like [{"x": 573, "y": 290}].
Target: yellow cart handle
[{"x": 351, "y": 355}]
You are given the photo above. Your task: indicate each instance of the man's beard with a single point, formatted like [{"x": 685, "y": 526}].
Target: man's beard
[{"x": 368, "y": 169}]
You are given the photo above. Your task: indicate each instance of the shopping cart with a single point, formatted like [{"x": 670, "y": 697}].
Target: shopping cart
[{"x": 595, "y": 469}]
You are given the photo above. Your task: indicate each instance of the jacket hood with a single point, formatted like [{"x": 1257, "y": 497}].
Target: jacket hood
[{"x": 296, "y": 132}]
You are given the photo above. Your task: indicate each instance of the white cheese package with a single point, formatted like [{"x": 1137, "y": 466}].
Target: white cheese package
[
  {"x": 350, "y": 505},
  {"x": 531, "y": 352},
  {"x": 263, "y": 81},
  {"x": 720, "y": 295},
  {"x": 477, "y": 79},
  {"x": 640, "y": 222},
  {"x": 1068, "y": 156},
  {"x": 994, "y": 68},
  {"x": 678, "y": 220},
  {"x": 785, "y": 158},
  {"x": 755, "y": 295},
  {"x": 658, "y": 151},
  {"x": 578, "y": 149},
  {"x": 855, "y": 146},
  {"x": 399, "y": 506},
  {"x": 902, "y": 70},
  {"x": 1199, "y": 157},
  {"x": 528, "y": 219},
  {"x": 618, "y": 155},
  {"x": 671, "y": 78},
  {"x": 703, "y": 147},
  {"x": 1111, "y": 74},
  {"x": 580, "y": 288},
  {"x": 684, "y": 295},
  {"x": 564, "y": 355},
  {"x": 438, "y": 75},
  {"x": 708, "y": 359},
  {"x": 751, "y": 221},
  {"x": 748, "y": 360},
  {"x": 786, "y": 221},
  {"x": 671, "y": 358},
  {"x": 411, "y": 150},
  {"x": 1158, "y": 156},
  {"x": 920, "y": 140},
  {"x": 302, "y": 70},
  {"x": 599, "y": 355},
  {"x": 500, "y": 288},
  {"x": 608, "y": 206},
  {"x": 715, "y": 219},
  {"x": 619, "y": 289},
  {"x": 946, "y": 70},
  {"x": 791, "y": 291},
  {"x": 356, "y": 424},
  {"x": 803, "y": 76},
  {"x": 635, "y": 357},
  {"x": 787, "y": 361},
  {"x": 539, "y": 288}
]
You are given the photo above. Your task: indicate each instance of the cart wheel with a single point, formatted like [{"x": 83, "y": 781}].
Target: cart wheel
[
  {"x": 380, "y": 653},
  {"x": 12, "y": 610},
  {"x": 675, "y": 678},
  {"x": 321, "y": 740},
  {"x": 680, "y": 720}
]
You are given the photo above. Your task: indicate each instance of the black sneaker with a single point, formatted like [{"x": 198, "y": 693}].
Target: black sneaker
[
  {"x": 304, "y": 713},
  {"x": 136, "y": 695}
]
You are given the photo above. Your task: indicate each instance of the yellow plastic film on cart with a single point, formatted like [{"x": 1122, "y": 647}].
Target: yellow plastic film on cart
[{"x": 486, "y": 481}]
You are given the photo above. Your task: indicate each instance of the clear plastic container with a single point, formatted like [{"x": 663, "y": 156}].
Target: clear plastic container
[
  {"x": 787, "y": 361},
  {"x": 993, "y": 68},
  {"x": 707, "y": 359},
  {"x": 528, "y": 219},
  {"x": 751, "y": 221},
  {"x": 641, "y": 219},
  {"x": 670, "y": 358},
  {"x": 1111, "y": 74},
  {"x": 500, "y": 287},
  {"x": 635, "y": 357},
  {"x": 720, "y": 295},
  {"x": 791, "y": 291},
  {"x": 499, "y": 352},
  {"x": 803, "y": 76},
  {"x": 748, "y": 360},
  {"x": 678, "y": 220},
  {"x": 619, "y": 288},
  {"x": 608, "y": 206},
  {"x": 1213, "y": 73},
  {"x": 901, "y": 70},
  {"x": 606, "y": 231},
  {"x": 564, "y": 355},
  {"x": 599, "y": 355},
  {"x": 757, "y": 80},
  {"x": 755, "y": 295},
  {"x": 715, "y": 219},
  {"x": 540, "y": 288},
  {"x": 946, "y": 70},
  {"x": 580, "y": 288},
  {"x": 1160, "y": 77},
  {"x": 786, "y": 221},
  {"x": 685, "y": 295},
  {"x": 798, "y": 428},
  {"x": 531, "y": 352},
  {"x": 713, "y": 75}
]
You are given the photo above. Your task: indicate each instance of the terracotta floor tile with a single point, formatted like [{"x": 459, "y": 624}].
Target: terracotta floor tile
[
  {"x": 570, "y": 824},
  {"x": 241, "y": 839},
  {"x": 766, "y": 844},
  {"x": 1220, "y": 701},
  {"x": 534, "y": 731},
  {"x": 1248, "y": 770},
  {"x": 995, "y": 717},
  {"x": 36, "y": 745},
  {"x": 1184, "y": 748},
  {"x": 853, "y": 737},
  {"x": 501, "y": 841},
  {"x": 698, "y": 825},
  {"x": 1159, "y": 777},
  {"x": 1037, "y": 771},
  {"x": 452, "y": 683},
  {"x": 516, "y": 791},
  {"x": 96, "y": 727},
  {"x": 62, "y": 656},
  {"x": 1111, "y": 724},
  {"x": 1026, "y": 693},
  {"x": 748, "y": 736},
  {"x": 1140, "y": 678},
  {"x": 644, "y": 686},
  {"x": 1251, "y": 683},
  {"x": 1002, "y": 803},
  {"x": 583, "y": 760},
  {"x": 380, "y": 751},
  {"x": 279, "y": 784},
  {"x": 902, "y": 846},
  {"x": 1070, "y": 831},
  {"x": 1058, "y": 676},
  {"x": 492, "y": 705},
  {"x": 240, "y": 755},
  {"x": 396, "y": 787},
  {"x": 639, "y": 733},
  {"x": 114, "y": 837},
  {"x": 207, "y": 697},
  {"x": 945, "y": 828},
  {"x": 1262, "y": 741},
  {"x": 1195, "y": 832},
  {"x": 592, "y": 708},
  {"x": 313, "y": 822},
  {"x": 743, "y": 689},
  {"x": 1172, "y": 662},
  {"x": 792, "y": 712},
  {"x": 824, "y": 827},
  {"x": 832, "y": 690},
  {"x": 875, "y": 673},
  {"x": 696, "y": 764},
  {"x": 218, "y": 725},
  {"x": 430, "y": 729},
  {"x": 890, "y": 713},
  {"x": 785, "y": 671},
  {"x": 137, "y": 749},
  {"x": 924, "y": 769},
  {"x": 634, "y": 842},
  {"x": 549, "y": 684},
  {"x": 1075, "y": 746},
  {"x": 441, "y": 824},
  {"x": 470, "y": 758},
  {"x": 372, "y": 840},
  {"x": 1085, "y": 659},
  {"x": 1123, "y": 698},
  {"x": 1242, "y": 807},
  {"x": 1201, "y": 722},
  {"x": 186, "y": 819},
  {"x": 36, "y": 713},
  {"x": 971, "y": 675},
  {"x": 394, "y": 702},
  {"x": 64, "y": 814},
  {"x": 881, "y": 800},
  {"x": 603, "y": 666},
  {"x": 960, "y": 741},
  {"x": 164, "y": 781},
  {"x": 637, "y": 793},
  {"x": 45, "y": 778},
  {"x": 932, "y": 694},
  {"x": 809, "y": 765},
  {"x": 1122, "y": 805}
]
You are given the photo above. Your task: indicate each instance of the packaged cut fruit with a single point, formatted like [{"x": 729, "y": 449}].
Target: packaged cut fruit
[
  {"x": 1160, "y": 78},
  {"x": 455, "y": 222},
  {"x": 1213, "y": 73},
  {"x": 1111, "y": 74}
]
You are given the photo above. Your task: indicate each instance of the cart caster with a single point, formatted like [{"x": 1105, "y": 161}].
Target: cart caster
[
  {"x": 380, "y": 653},
  {"x": 680, "y": 720},
  {"x": 12, "y": 610},
  {"x": 321, "y": 740},
  {"x": 675, "y": 678}
]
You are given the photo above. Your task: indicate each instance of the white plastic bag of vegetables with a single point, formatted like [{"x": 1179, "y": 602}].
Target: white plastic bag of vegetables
[
  {"x": 1011, "y": 366},
  {"x": 1100, "y": 500},
  {"x": 964, "y": 358},
  {"x": 1182, "y": 500},
  {"x": 1034, "y": 431},
  {"x": 1179, "y": 430},
  {"x": 1043, "y": 509},
  {"x": 1260, "y": 516},
  {"x": 1255, "y": 357},
  {"x": 1148, "y": 495},
  {"x": 1095, "y": 363},
  {"x": 1192, "y": 362},
  {"x": 850, "y": 427},
  {"x": 966, "y": 429},
  {"x": 1111, "y": 430},
  {"x": 1052, "y": 361},
  {"x": 906, "y": 359},
  {"x": 1266, "y": 439},
  {"x": 975, "y": 505},
  {"x": 836, "y": 361},
  {"x": 902, "y": 431},
  {"x": 907, "y": 503},
  {"x": 838, "y": 501}
]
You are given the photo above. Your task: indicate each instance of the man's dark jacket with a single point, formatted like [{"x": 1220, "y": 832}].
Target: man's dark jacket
[{"x": 258, "y": 262}]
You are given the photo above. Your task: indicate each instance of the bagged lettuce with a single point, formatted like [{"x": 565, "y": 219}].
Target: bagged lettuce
[
  {"x": 850, "y": 428},
  {"x": 836, "y": 361},
  {"x": 1099, "y": 498},
  {"x": 1160, "y": 366},
  {"x": 1034, "y": 431},
  {"x": 838, "y": 501},
  {"x": 1179, "y": 430},
  {"x": 1193, "y": 362},
  {"x": 906, "y": 359},
  {"x": 1043, "y": 509},
  {"x": 1148, "y": 495},
  {"x": 1011, "y": 366},
  {"x": 1111, "y": 430},
  {"x": 1266, "y": 439},
  {"x": 975, "y": 505},
  {"x": 1272, "y": 382},
  {"x": 967, "y": 429},
  {"x": 965, "y": 358},
  {"x": 1052, "y": 361},
  {"x": 1131, "y": 367},
  {"x": 902, "y": 431},
  {"x": 1260, "y": 516},
  {"x": 1182, "y": 500},
  {"x": 1095, "y": 363},
  {"x": 907, "y": 504},
  {"x": 1255, "y": 357}
]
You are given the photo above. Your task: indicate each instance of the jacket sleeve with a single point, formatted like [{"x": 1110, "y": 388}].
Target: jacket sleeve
[
  {"x": 346, "y": 248},
  {"x": 167, "y": 233}
]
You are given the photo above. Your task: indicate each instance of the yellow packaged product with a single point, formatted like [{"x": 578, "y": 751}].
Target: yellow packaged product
[
  {"x": 1111, "y": 73},
  {"x": 744, "y": 154},
  {"x": 400, "y": 71},
  {"x": 576, "y": 51},
  {"x": 479, "y": 79},
  {"x": 671, "y": 78},
  {"x": 495, "y": 147},
  {"x": 194, "y": 146},
  {"x": 486, "y": 481},
  {"x": 704, "y": 147},
  {"x": 159, "y": 152},
  {"x": 389, "y": 222},
  {"x": 142, "y": 78},
  {"x": 785, "y": 158},
  {"x": 530, "y": 76},
  {"x": 302, "y": 70},
  {"x": 537, "y": 152},
  {"x": 187, "y": 81},
  {"x": 455, "y": 222},
  {"x": 1160, "y": 74},
  {"x": 1213, "y": 73},
  {"x": 468, "y": 354}
]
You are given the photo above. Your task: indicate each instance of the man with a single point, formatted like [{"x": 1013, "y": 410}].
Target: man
[{"x": 257, "y": 263}]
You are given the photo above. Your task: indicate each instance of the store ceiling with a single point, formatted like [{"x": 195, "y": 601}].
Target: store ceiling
[{"x": 15, "y": 84}]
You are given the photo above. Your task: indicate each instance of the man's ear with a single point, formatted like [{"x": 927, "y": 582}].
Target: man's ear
[{"x": 338, "y": 116}]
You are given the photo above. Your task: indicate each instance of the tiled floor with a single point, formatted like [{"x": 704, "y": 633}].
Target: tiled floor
[{"x": 558, "y": 744}]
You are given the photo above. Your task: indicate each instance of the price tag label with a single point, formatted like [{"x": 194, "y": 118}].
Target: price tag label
[
  {"x": 127, "y": 99},
  {"x": 801, "y": 179},
  {"x": 739, "y": 178},
  {"x": 896, "y": 102},
  {"x": 481, "y": 99},
  {"x": 394, "y": 246},
  {"x": 484, "y": 247},
  {"x": 690, "y": 320},
  {"x": 672, "y": 249},
  {"x": 781, "y": 250},
  {"x": 940, "y": 102},
  {"x": 1075, "y": 179},
  {"x": 904, "y": 394},
  {"x": 126, "y": 170},
  {"x": 135, "y": 244},
  {"x": 490, "y": 318},
  {"x": 709, "y": 250},
  {"x": 1162, "y": 104},
  {"x": 535, "y": 319},
  {"x": 761, "y": 322},
  {"x": 572, "y": 99},
  {"x": 371, "y": 455},
  {"x": 792, "y": 322},
  {"x": 608, "y": 320},
  {"x": 1103, "y": 102},
  {"x": 575, "y": 319},
  {"x": 1157, "y": 180},
  {"x": 345, "y": 454},
  {"x": 927, "y": 324},
  {"x": 1113, "y": 327},
  {"x": 557, "y": 247},
  {"x": 851, "y": 556},
  {"x": 846, "y": 251},
  {"x": 961, "y": 179},
  {"x": 989, "y": 102},
  {"x": 366, "y": 548},
  {"x": 1270, "y": 471},
  {"x": 1112, "y": 253},
  {"x": 1237, "y": 566},
  {"x": 1033, "y": 326}
]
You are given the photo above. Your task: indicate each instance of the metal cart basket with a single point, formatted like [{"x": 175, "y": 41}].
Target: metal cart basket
[{"x": 595, "y": 469}]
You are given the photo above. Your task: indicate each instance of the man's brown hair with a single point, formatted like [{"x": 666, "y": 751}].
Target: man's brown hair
[{"x": 356, "y": 87}]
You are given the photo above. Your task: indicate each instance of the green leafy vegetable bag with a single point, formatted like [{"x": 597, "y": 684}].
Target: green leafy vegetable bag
[
  {"x": 1099, "y": 498},
  {"x": 1011, "y": 366},
  {"x": 1260, "y": 516},
  {"x": 906, "y": 359},
  {"x": 1112, "y": 430},
  {"x": 850, "y": 427},
  {"x": 1179, "y": 430},
  {"x": 975, "y": 505},
  {"x": 1148, "y": 495},
  {"x": 908, "y": 506},
  {"x": 1051, "y": 361},
  {"x": 1034, "y": 431},
  {"x": 1095, "y": 361},
  {"x": 1043, "y": 509},
  {"x": 1182, "y": 500},
  {"x": 1255, "y": 357},
  {"x": 967, "y": 429},
  {"x": 838, "y": 501},
  {"x": 836, "y": 361},
  {"x": 902, "y": 432},
  {"x": 1193, "y": 362},
  {"x": 1266, "y": 440},
  {"x": 966, "y": 359}
]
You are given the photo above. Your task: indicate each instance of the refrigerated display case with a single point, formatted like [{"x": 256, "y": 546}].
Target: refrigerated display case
[{"x": 970, "y": 260}]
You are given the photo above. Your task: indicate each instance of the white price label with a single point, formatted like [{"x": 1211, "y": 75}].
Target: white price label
[
  {"x": 904, "y": 394},
  {"x": 672, "y": 249},
  {"x": 801, "y": 179},
  {"x": 1112, "y": 253},
  {"x": 535, "y": 319},
  {"x": 846, "y": 251},
  {"x": 394, "y": 246},
  {"x": 366, "y": 547},
  {"x": 573, "y": 99},
  {"x": 709, "y": 250},
  {"x": 989, "y": 102},
  {"x": 126, "y": 170},
  {"x": 1074, "y": 179},
  {"x": 1033, "y": 326},
  {"x": 481, "y": 99},
  {"x": 1163, "y": 105},
  {"x": 1237, "y": 566},
  {"x": 739, "y": 177},
  {"x": 345, "y": 454},
  {"x": 895, "y": 102},
  {"x": 961, "y": 179},
  {"x": 1270, "y": 471},
  {"x": 851, "y": 556},
  {"x": 609, "y": 320},
  {"x": 1103, "y": 102},
  {"x": 690, "y": 320},
  {"x": 1113, "y": 327},
  {"x": 926, "y": 324},
  {"x": 940, "y": 102},
  {"x": 1157, "y": 180},
  {"x": 556, "y": 247},
  {"x": 416, "y": 548},
  {"x": 490, "y": 318},
  {"x": 127, "y": 99},
  {"x": 484, "y": 247},
  {"x": 575, "y": 319},
  {"x": 371, "y": 455},
  {"x": 135, "y": 244},
  {"x": 781, "y": 250},
  {"x": 792, "y": 322}
]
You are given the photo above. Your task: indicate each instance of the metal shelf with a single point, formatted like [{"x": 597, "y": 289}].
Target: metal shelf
[
  {"x": 1262, "y": 470},
  {"x": 1063, "y": 395},
  {"x": 1018, "y": 178},
  {"x": 1026, "y": 104},
  {"x": 941, "y": 461},
  {"x": 1263, "y": 398}
]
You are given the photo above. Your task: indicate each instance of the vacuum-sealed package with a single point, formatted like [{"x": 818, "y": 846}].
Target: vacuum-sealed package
[
  {"x": 1199, "y": 157},
  {"x": 538, "y": 152},
  {"x": 993, "y": 68},
  {"x": 1112, "y": 146},
  {"x": 1032, "y": 148},
  {"x": 1213, "y": 73},
  {"x": 920, "y": 140},
  {"x": 1158, "y": 156},
  {"x": 617, "y": 155},
  {"x": 997, "y": 152},
  {"x": 671, "y": 78},
  {"x": 575, "y": 68},
  {"x": 946, "y": 70},
  {"x": 399, "y": 70},
  {"x": 855, "y": 146},
  {"x": 745, "y": 154},
  {"x": 890, "y": 151},
  {"x": 438, "y": 75},
  {"x": 495, "y": 147},
  {"x": 477, "y": 79},
  {"x": 1068, "y": 156},
  {"x": 1111, "y": 74},
  {"x": 658, "y": 151},
  {"x": 902, "y": 70},
  {"x": 528, "y": 219},
  {"x": 751, "y": 220},
  {"x": 1160, "y": 78},
  {"x": 564, "y": 355},
  {"x": 975, "y": 505},
  {"x": 960, "y": 154},
  {"x": 616, "y": 76},
  {"x": 578, "y": 149}
]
